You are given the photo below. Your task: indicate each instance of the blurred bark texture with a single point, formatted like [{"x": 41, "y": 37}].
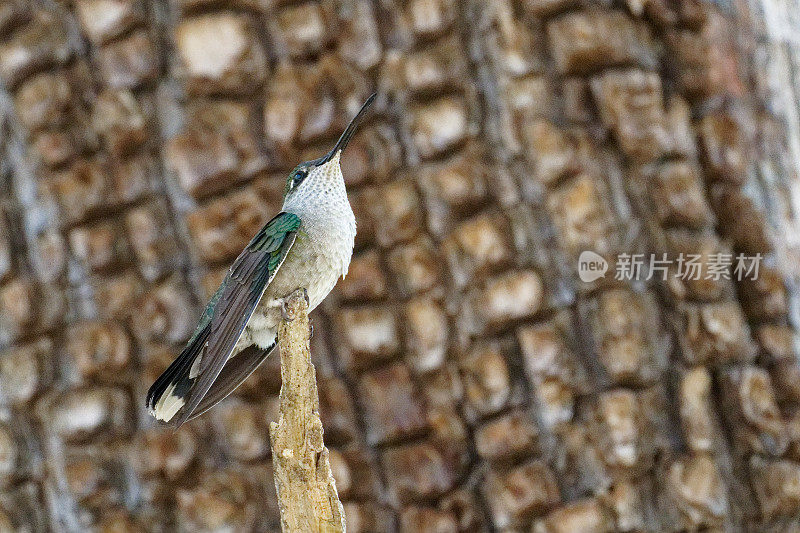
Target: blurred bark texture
[
  {"x": 306, "y": 489},
  {"x": 468, "y": 380}
]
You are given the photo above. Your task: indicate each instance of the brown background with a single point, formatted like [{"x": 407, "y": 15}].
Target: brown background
[{"x": 469, "y": 381}]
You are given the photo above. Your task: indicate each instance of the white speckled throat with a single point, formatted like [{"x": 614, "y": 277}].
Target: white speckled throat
[{"x": 322, "y": 205}]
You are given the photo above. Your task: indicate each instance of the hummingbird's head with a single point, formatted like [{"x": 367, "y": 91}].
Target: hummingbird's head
[{"x": 318, "y": 172}]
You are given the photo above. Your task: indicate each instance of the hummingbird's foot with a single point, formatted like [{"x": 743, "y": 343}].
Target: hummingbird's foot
[
  {"x": 282, "y": 303},
  {"x": 284, "y": 312}
]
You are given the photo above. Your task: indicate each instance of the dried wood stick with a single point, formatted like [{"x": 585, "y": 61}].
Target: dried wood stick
[{"x": 307, "y": 495}]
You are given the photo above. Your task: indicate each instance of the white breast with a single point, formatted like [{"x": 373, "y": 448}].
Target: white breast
[{"x": 321, "y": 252}]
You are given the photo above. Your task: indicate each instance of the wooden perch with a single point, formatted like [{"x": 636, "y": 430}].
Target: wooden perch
[{"x": 306, "y": 489}]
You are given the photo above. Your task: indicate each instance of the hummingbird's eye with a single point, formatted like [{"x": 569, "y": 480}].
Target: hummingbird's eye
[{"x": 299, "y": 176}]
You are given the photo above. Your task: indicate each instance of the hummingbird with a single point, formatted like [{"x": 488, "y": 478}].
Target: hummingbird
[{"x": 308, "y": 245}]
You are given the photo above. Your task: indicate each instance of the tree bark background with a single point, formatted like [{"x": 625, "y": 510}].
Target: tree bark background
[
  {"x": 770, "y": 42},
  {"x": 468, "y": 380}
]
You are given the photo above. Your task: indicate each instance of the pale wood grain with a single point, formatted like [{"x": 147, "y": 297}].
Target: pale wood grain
[{"x": 306, "y": 489}]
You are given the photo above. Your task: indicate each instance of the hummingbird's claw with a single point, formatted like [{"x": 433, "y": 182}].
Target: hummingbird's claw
[
  {"x": 282, "y": 303},
  {"x": 284, "y": 313}
]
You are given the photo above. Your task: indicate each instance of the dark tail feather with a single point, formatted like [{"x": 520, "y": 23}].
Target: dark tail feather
[
  {"x": 175, "y": 382},
  {"x": 235, "y": 371}
]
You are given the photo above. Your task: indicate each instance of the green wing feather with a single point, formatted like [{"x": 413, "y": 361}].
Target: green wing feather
[
  {"x": 228, "y": 311},
  {"x": 270, "y": 239}
]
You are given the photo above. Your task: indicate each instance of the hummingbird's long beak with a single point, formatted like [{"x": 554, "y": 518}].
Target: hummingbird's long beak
[{"x": 341, "y": 144}]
